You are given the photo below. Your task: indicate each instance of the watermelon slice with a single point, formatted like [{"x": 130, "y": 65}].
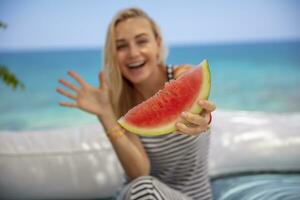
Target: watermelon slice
[{"x": 158, "y": 114}]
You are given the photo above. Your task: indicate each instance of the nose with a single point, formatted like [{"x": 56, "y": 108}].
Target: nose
[{"x": 133, "y": 51}]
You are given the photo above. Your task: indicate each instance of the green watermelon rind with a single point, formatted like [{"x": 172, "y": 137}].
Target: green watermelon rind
[{"x": 170, "y": 127}]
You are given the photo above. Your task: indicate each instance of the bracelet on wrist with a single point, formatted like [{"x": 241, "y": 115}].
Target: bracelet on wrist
[{"x": 115, "y": 132}]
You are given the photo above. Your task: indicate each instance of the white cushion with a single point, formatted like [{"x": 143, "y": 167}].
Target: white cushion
[
  {"x": 79, "y": 163},
  {"x": 76, "y": 163},
  {"x": 254, "y": 141}
]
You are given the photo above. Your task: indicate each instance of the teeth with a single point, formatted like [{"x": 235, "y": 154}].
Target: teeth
[{"x": 137, "y": 64}]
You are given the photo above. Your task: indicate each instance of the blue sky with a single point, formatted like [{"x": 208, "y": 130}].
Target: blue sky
[{"x": 39, "y": 24}]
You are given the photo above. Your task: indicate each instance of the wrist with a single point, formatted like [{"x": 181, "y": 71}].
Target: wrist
[
  {"x": 115, "y": 132},
  {"x": 108, "y": 119},
  {"x": 106, "y": 112}
]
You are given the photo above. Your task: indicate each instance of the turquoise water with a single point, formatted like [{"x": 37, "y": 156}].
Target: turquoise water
[
  {"x": 254, "y": 77},
  {"x": 257, "y": 186}
]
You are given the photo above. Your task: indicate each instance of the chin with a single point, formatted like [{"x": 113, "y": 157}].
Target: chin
[{"x": 138, "y": 80}]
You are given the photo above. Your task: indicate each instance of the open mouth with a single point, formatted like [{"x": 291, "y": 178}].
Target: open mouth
[{"x": 136, "y": 65}]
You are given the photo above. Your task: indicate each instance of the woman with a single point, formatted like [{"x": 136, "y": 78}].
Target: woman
[{"x": 172, "y": 166}]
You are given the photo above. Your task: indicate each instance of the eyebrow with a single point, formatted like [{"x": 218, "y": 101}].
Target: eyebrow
[
  {"x": 141, "y": 35},
  {"x": 137, "y": 36}
]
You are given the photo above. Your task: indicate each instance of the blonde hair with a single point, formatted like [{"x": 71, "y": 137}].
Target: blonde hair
[{"x": 121, "y": 90}]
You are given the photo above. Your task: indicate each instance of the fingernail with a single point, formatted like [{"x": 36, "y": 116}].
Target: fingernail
[{"x": 184, "y": 114}]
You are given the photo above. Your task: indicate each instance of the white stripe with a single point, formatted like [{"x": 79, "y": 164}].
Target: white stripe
[
  {"x": 157, "y": 195},
  {"x": 139, "y": 187},
  {"x": 141, "y": 193},
  {"x": 163, "y": 148},
  {"x": 141, "y": 181}
]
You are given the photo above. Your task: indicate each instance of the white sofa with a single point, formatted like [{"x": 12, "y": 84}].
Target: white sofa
[{"x": 79, "y": 163}]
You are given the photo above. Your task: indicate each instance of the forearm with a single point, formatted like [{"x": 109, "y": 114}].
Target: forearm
[
  {"x": 132, "y": 159},
  {"x": 134, "y": 164}
]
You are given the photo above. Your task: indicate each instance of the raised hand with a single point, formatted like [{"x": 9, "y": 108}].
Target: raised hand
[
  {"x": 194, "y": 123},
  {"x": 88, "y": 98}
]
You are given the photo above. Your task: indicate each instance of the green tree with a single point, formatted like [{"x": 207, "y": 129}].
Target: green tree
[{"x": 6, "y": 76}]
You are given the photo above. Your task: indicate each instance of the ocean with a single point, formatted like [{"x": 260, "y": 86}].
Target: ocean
[{"x": 261, "y": 77}]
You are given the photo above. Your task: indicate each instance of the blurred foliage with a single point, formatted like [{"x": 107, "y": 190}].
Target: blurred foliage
[
  {"x": 9, "y": 78},
  {"x": 6, "y": 76}
]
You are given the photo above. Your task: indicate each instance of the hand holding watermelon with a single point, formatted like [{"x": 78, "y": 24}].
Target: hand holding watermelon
[
  {"x": 88, "y": 98},
  {"x": 191, "y": 123}
]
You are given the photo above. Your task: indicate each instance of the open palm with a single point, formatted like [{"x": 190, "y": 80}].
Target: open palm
[{"x": 88, "y": 98}]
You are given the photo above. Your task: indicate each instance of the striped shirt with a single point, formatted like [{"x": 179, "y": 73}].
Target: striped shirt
[{"x": 178, "y": 161}]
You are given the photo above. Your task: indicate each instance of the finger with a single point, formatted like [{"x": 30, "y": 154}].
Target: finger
[
  {"x": 65, "y": 93},
  {"x": 191, "y": 130},
  {"x": 81, "y": 82},
  {"x": 69, "y": 85},
  {"x": 207, "y": 116},
  {"x": 102, "y": 80},
  {"x": 207, "y": 105},
  {"x": 194, "y": 118},
  {"x": 66, "y": 104}
]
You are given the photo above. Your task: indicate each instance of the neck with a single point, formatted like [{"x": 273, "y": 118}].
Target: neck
[{"x": 149, "y": 87}]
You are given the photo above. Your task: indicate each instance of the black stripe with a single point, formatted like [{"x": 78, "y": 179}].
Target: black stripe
[
  {"x": 160, "y": 147},
  {"x": 164, "y": 153},
  {"x": 170, "y": 72},
  {"x": 143, "y": 197},
  {"x": 198, "y": 187},
  {"x": 186, "y": 176},
  {"x": 141, "y": 193},
  {"x": 154, "y": 141},
  {"x": 201, "y": 171},
  {"x": 141, "y": 181},
  {"x": 195, "y": 157},
  {"x": 172, "y": 158},
  {"x": 202, "y": 179},
  {"x": 141, "y": 188},
  {"x": 192, "y": 161},
  {"x": 182, "y": 167},
  {"x": 159, "y": 194},
  {"x": 180, "y": 150},
  {"x": 205, "y": 196},
  {"x": 163, "y": 145},
  {"x": 158, "y": 139}
]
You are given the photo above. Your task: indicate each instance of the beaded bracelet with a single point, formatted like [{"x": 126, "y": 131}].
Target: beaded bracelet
[{"x": 115, "y": 132}]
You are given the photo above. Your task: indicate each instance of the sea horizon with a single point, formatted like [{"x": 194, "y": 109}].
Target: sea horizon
[
  {"x": 172, "y": 45},
  {"x": 251, "y": 77}
]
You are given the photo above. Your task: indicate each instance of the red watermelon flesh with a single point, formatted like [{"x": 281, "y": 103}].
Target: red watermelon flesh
[{"x": 158, "y": 114}]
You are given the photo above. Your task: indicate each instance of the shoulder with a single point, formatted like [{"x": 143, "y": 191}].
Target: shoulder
[{"x": 180, "y": 69}]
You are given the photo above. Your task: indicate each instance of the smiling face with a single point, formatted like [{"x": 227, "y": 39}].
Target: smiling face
[{"x": 137, "y": 49}]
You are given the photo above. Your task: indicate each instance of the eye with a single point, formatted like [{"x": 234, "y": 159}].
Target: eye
[
  {"x": 142, "y": 41},
  {"x": 121, "y": 46}
]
